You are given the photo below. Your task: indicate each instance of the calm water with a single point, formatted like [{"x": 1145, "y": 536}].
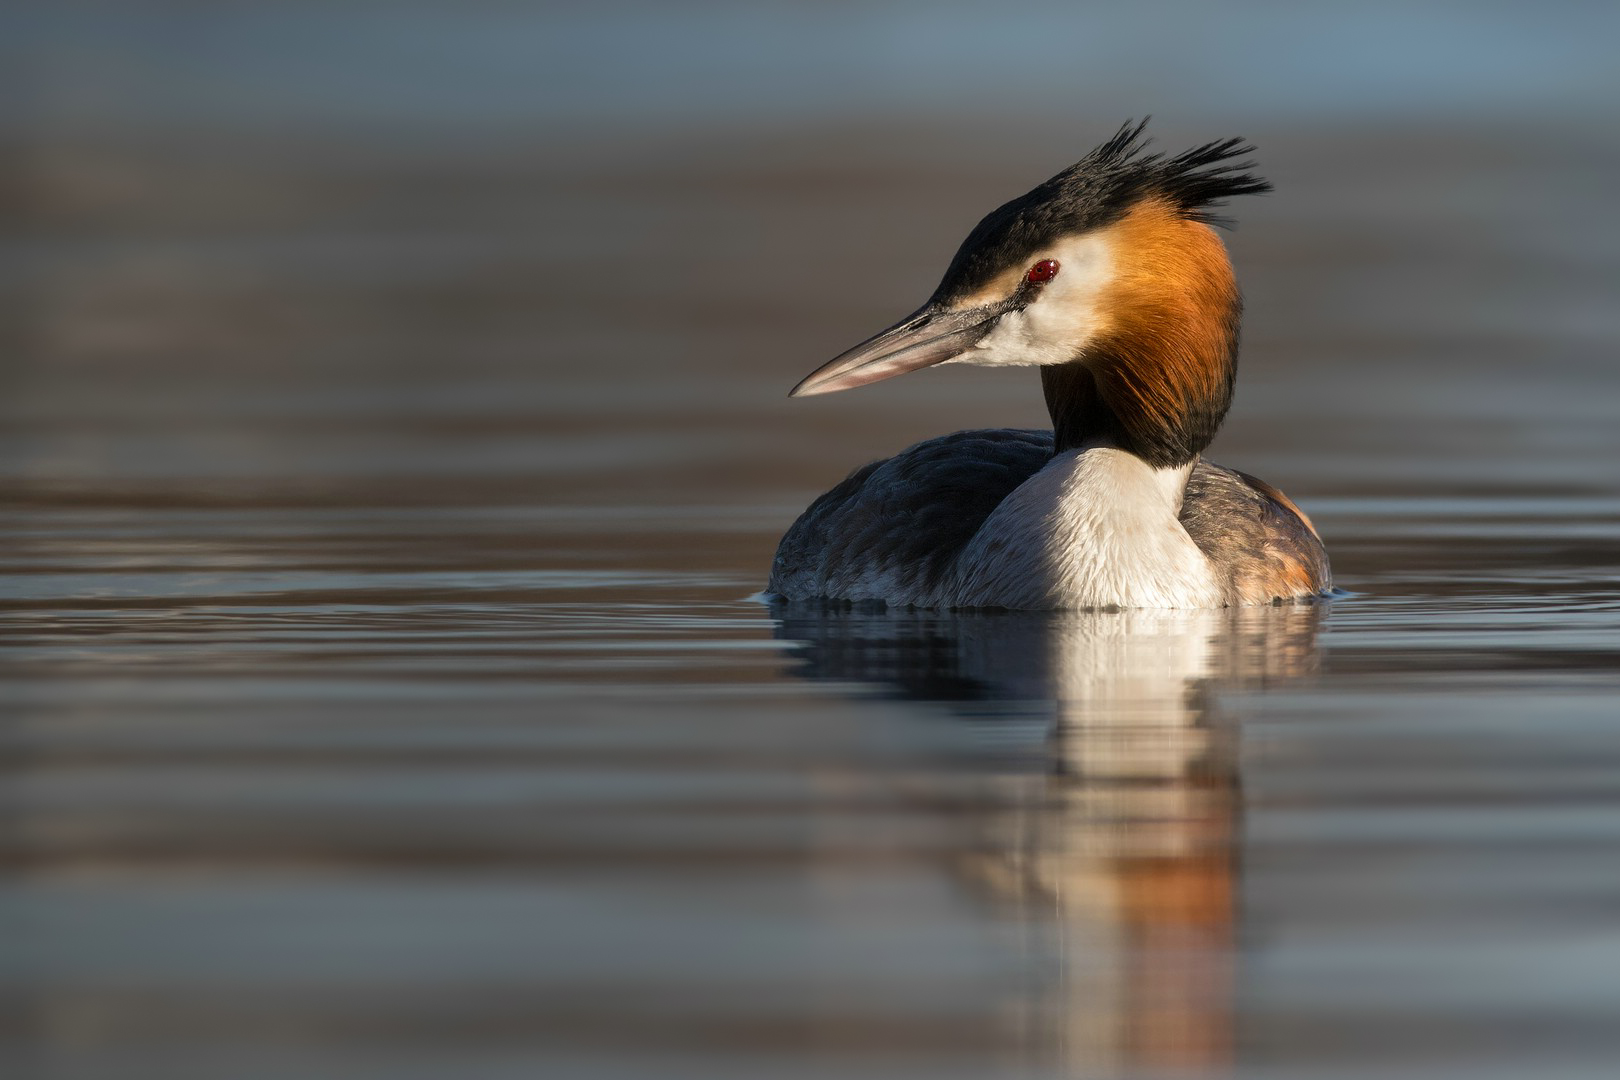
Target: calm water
[{"x": 385, "y": 696}]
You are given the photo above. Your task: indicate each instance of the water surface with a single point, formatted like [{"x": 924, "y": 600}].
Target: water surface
[{"x": 385, "y": 694}]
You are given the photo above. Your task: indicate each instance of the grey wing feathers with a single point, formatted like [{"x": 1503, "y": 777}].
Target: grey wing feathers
[
  {"x": 1263, "y": 545},
  {"x": 895, "y": 527}
]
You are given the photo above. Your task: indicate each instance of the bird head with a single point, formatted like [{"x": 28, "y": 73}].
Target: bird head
[{"x": 1111, "y": 263}]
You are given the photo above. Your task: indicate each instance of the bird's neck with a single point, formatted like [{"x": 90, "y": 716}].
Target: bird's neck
[
  {"x": 1164, "y": 414},
  {"x": 1079, "y": 416},
  {"x": 1158, "y": 380}
]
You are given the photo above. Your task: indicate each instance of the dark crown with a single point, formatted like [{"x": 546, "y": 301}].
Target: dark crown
[{"x": 1098, "y": 190}]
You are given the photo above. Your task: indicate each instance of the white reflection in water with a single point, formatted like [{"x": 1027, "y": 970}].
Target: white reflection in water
[{"x": 1127, "y": 836}]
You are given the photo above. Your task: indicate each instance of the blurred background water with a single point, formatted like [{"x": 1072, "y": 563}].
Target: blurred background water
[{"x": 393, "y": 433}]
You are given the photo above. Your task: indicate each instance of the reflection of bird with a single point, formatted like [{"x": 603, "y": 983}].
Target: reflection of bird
[
  {"x": 1130, "y": 836},
  {"x": 1110, "y": 278}
]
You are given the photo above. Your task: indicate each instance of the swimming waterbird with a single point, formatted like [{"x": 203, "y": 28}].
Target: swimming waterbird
[{"x": 1110, "y": 278}]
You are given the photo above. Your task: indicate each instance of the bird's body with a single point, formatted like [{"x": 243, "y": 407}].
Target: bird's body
[
  {"x": 922, "y": 529},
  {"x": 1115, "y": 507}
]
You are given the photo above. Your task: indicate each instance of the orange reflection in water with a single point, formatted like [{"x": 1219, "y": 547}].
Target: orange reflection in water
[{"x": 1127, "y": 840}]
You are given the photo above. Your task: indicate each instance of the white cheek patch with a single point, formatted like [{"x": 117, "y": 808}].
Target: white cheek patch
[
  {"x": 1013, "y": 343},
  {"x": 1064, "y": 316}
]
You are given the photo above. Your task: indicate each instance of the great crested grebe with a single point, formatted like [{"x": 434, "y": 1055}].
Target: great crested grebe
[{"x": 1110, "y": 278}]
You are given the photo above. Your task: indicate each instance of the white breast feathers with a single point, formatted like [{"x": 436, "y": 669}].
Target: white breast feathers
[{"x": 1095, "y": 528}]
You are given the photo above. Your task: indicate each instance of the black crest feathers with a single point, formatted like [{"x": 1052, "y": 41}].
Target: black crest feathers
[
  {"x": 1194, "y": 181},
  {"x": 1098, "y": 190}
]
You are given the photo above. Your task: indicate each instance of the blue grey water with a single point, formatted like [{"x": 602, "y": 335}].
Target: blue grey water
[{"x": 393, "y": 442}]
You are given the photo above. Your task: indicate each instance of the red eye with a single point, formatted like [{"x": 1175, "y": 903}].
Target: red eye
[{"x": 1042, "y": 272}]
